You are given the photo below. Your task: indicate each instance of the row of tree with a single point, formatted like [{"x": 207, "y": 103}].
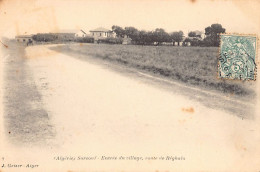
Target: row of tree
[
  {"x": 143, "y": 37},
  {"x": 159, "y": 36},
  {"x": 54, "y": 37},
  {"x": 44, "y": 37}
]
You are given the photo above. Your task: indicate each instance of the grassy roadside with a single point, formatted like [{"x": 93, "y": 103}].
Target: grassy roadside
[
  {"x": 190, "y": 65},
  {"x": 24, "y": 115}
]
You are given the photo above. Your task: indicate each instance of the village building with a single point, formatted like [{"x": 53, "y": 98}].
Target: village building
[
  {"x": 194, "y": 40},
  {"x": 178, "y": 43},
  {"x": 167, "y": 43},
  {"x": 81, "y": 34},
  {"x": 102, "y": 33},
  {"x": 24, "y": 38},
  {"x": 199, "y": 34}
]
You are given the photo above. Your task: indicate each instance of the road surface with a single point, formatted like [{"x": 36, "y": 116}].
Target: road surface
[{"x": 57, "y": 104}]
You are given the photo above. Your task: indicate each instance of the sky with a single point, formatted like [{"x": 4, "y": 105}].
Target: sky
[{"x": 33, "y": 16}]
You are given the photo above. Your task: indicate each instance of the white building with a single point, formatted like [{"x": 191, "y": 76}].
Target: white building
[
  {"x": 102, "y": 33},
  {"x": 23, "y": 38},
  {"x": 81, "y": 33}
]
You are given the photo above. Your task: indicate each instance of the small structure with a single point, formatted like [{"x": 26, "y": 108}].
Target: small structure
[
  {"x": 81, "y": 34},
  {"x": 126, "y": 40},
  {"x": 178, "y": 43},
  {"x": 167, "y": 43},
  {"x": 198, "y": 34},
  {"x": 24, "y": 38}
]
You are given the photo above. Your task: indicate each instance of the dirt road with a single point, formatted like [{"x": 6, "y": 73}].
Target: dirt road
[{"x": 81, "y": 108}]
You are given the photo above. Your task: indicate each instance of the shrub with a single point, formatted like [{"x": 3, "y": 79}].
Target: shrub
[
  {"x": 44, "y": 37},
  {"x": 84, "y": 39},
  {"x": 112, "y": 41}
]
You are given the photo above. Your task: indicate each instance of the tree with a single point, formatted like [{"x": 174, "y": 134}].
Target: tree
[
  {"x": 195, "y": 34},
  {"x": 129, "y": 31},
  {"x": 143, "y": 37},
  {"x": 212, "y": 34},
  {"x": 194, "y": 38},
  {"x": 192, "y": 34},
  {"x": 132, "y": 33},
  {"x": 177, "y": 37},
  {"x": 120, "y": 32},
  {"x": 149, "y": 38},
  {"x": 161, "y": 36},
  {"x": 44, "y": 37}
]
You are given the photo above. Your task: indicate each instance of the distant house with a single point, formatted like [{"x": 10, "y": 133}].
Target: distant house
[
  {"x": 81, "y": 33},
  {"x": 23, "y": 38},
  {"x": 199, "y": 34},
  {"x": 178, "y": 43},
  {"x": 100, "y": 33}
]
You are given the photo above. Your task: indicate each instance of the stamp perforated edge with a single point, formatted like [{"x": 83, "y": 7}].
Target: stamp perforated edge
[{"x": 256, "y": 55}]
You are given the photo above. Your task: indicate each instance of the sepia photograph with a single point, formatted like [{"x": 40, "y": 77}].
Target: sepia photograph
[{"x": 129, "y": 85}]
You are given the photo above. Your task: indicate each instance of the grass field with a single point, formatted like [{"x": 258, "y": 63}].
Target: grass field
[{"x": 190, "y": 65}]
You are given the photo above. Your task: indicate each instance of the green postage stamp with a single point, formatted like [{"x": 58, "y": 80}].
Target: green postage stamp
[{"x": 237, "y": 58}]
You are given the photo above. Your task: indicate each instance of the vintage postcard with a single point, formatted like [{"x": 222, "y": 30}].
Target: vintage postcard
[{"x": 129, "y": 85}]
